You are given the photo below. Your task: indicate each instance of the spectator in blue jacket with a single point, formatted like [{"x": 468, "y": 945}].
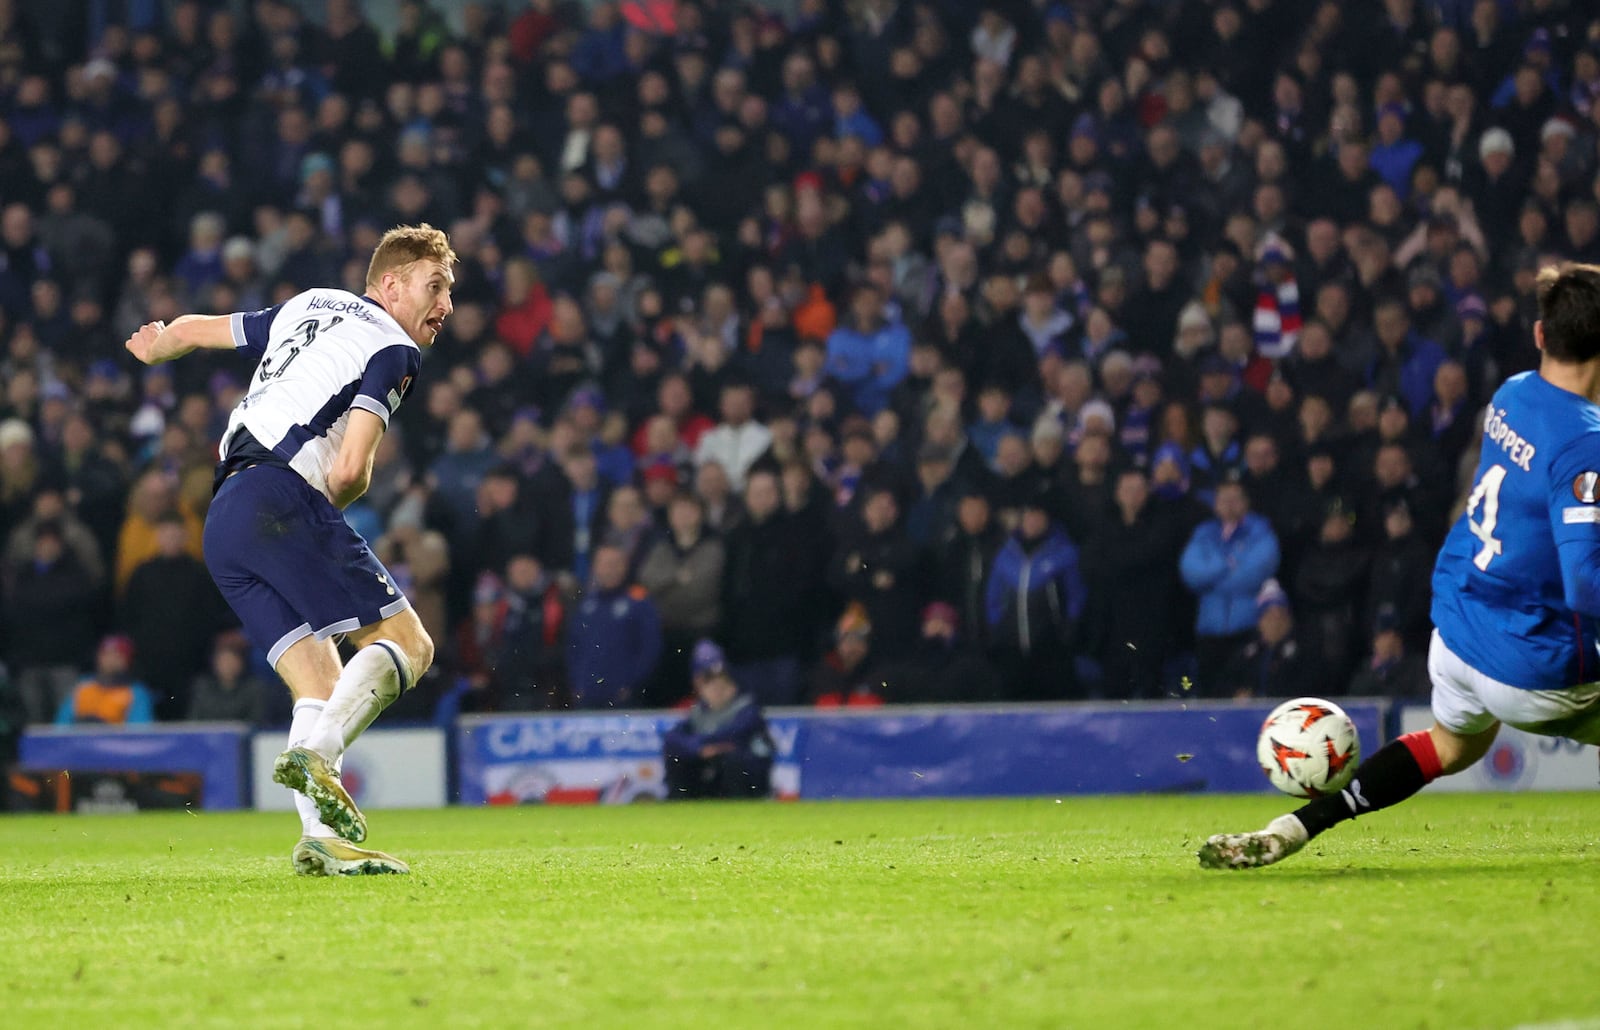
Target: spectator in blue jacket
[
  {"x": 1405, "y": 361},
  {"x": 1224, "y": 564},
  {"x": 868, "y": 354},
  {"x": 1034, "y": 600},
  {"x": 615, "y": 636},
  {"x": 801, "y": 111},
  {"x": 601, "y": 54},
  {"x": 1394, "y": 156},
  {"x": 723, "y": 749}
]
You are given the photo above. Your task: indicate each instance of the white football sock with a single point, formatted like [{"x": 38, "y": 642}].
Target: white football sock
[
  {"x": 371, "y": 681},
  {"x": 306, "y": 713}
]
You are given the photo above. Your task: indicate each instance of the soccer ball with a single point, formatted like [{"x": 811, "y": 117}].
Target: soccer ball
[{"x": 1308, "y": 747}]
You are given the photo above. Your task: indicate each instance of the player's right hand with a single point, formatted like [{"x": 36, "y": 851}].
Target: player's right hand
[{"x": 143, "y": 342}]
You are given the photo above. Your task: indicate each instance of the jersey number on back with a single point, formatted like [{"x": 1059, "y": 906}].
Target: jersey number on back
[
  {"x": 1486, "y": 493},
  {"x": 277, "y": 363}
]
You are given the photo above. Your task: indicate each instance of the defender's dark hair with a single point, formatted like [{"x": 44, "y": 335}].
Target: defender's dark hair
[{"x": 1569, "y": 307}]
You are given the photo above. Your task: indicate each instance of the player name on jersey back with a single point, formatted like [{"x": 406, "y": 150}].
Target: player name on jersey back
[
  {"x": 1499, "y": 432},
  {"x": 1512, "y": 592},
  {"x": 349, "y": 304}
]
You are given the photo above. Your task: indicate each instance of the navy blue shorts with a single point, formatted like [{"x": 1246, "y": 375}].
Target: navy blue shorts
[{"x": 289, "y": 565}]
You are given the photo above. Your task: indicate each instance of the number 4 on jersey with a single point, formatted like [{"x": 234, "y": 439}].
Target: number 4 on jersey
[{"x": 1486, "y": 493}]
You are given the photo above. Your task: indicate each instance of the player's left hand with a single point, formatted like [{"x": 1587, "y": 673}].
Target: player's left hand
[{"x": 143, "y": 342}]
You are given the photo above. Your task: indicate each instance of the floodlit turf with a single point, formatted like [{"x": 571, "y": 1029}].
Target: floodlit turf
[{"x": 1452, "y": 912}]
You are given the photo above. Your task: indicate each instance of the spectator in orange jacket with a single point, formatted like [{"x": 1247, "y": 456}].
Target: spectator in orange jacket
[
  {"x": 111, "y": 695},
  {"x": 154, "y": 495}
]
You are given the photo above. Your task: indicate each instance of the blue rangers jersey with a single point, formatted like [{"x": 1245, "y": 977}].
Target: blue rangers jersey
[
  {"x": 322, "y": 353},
  {"x": 1517, "y": 586}
]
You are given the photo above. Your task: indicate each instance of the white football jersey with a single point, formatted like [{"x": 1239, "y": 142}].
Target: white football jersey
[{"x": 322, "y": 353}]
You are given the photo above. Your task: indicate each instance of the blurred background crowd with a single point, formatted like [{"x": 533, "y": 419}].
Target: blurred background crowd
[{"x": 912, "y": 350}]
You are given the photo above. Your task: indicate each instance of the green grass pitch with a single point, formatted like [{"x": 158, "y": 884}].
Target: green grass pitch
[{"x": 1450, "y": 912}]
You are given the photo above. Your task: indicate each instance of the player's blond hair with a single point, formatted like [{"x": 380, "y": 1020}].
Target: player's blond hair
[{"x": 404, "y": 245}]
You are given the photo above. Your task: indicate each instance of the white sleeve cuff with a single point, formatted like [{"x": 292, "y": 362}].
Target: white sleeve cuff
[
  {"x": 378, "y": 408},
  {"x": 236, "y": 325}
]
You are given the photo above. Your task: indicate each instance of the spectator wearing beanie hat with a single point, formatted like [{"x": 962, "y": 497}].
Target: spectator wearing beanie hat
[
  {"x": 722, "y": 749},
  {"x": 943, "y": 667},
  {"x": 109, "y": 695},
  {"x": 1274, "y": 661},
  {"x": 847, "y": 676}
]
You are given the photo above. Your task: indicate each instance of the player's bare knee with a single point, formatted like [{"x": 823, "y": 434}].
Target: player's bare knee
[
  {"x": 420, "y": 653},
  {"x": 1457, "y": 752}
]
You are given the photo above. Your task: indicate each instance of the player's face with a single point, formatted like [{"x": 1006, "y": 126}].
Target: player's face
[{"x": 419, "y": 299}]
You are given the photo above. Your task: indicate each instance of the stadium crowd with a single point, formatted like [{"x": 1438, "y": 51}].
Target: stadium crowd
[{"x": 912, "y": 350}]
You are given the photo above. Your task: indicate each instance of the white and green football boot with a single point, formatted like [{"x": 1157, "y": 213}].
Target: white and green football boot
[
  {"x": 330, "y": 856},
  {"x": 302, "y": 769}
]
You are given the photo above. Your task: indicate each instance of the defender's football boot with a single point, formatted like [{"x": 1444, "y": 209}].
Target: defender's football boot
[{"x": 1283, "y": 837}]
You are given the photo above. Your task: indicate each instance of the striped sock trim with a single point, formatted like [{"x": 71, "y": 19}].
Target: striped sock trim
[
  {"x": 1420, "y": 744},
  {"x": 393, "y": 651}
]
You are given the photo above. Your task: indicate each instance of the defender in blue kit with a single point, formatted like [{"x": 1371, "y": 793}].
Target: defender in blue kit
[{"x": 1516, "y": 586}]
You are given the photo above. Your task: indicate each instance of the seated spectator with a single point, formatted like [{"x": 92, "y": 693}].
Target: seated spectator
[
  {"x": 228, "y": 692},
  {"x": 613, "y": 638},
  {"x": 1225, "y": 564},
  {"x": 1272, "y": 663},
  {"x": 943, "y": 667},
  {"x": 1393, "y": 670},
  {"x": 109, "y": 695},
  {"x": 1034, "y": 602},
  {"x": 723, "y": 749},
  {"x": 847, "y": 676}
]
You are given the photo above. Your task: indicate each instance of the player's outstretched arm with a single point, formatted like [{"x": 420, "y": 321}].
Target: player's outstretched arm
[
  {"x": 352, "y": 469},
  {"x": 156, "y": 342}
]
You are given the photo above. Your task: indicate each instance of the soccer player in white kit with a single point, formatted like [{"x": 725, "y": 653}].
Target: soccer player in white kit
[{"x": 332, "y": 368}]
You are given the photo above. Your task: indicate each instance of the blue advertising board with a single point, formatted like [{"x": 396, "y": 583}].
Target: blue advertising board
[
  {"x": 213, "y": 750},
  {"x": 890, "y": 752}
]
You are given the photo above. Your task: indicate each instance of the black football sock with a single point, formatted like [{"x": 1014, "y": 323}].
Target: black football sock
[{"x": 1398, "y": 770}]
